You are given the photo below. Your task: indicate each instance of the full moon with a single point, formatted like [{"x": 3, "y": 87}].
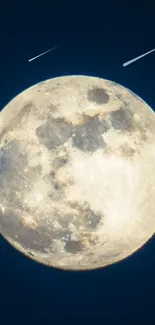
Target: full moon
[{"x": 77, "y": 172}]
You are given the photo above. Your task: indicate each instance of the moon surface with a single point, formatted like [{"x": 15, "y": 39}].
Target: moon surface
[{"x": 77, "y": 172}]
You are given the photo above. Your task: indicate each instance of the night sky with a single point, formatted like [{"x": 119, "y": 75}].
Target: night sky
[{"x": 94, "y": 40}]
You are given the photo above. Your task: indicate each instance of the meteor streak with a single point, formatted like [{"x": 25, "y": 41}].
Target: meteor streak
[
  {"x": 137, "y": 58},
  {"x": 35, "y": 57}
]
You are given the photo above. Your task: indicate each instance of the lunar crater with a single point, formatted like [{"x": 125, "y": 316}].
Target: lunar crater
[
  {"x": 73, "y": 246},
  {"x": 87, "y": 218},
  {"x": 54, "y": 133},
  {"x": 88, "y": 137},
  {"x": 122, "y": 119},
  {"x": 98, "y": 95}
]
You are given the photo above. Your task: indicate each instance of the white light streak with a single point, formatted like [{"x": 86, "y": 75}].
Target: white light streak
[
  {"x": 137, "y": 58},
  {"x": 35, "y": 57}
]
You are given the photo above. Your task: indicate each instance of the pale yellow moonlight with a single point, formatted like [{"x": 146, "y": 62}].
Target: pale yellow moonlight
[{"x": 77, "y": 172}]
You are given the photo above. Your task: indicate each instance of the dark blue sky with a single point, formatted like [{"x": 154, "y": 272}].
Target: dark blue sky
[{"x": 94, "y": 40}]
